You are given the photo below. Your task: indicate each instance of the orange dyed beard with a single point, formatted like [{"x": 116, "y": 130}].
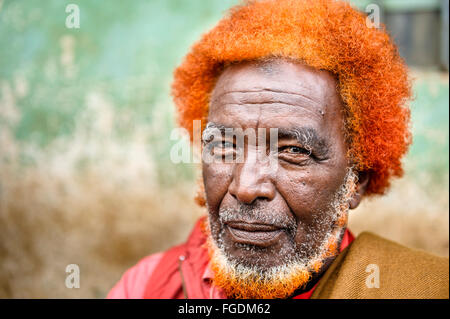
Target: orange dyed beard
[{"x": 243, "y": 282}]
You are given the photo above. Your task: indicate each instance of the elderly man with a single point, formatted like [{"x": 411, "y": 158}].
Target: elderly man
[{"x": 330, "y": 90}]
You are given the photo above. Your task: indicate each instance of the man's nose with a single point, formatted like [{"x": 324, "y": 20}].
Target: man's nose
[{"x": 251, "y": 181}]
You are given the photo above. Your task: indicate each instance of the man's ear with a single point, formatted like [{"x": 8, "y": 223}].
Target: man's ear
[{"x": 361, "y": 186}]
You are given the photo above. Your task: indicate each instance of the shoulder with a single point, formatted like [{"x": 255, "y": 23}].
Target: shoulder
[
  {"x": 374, "y": 267},
  {"x": 133, "y": 282},
  {"x": 146, "y": 278},
  {"x": 391, "y": 255}
]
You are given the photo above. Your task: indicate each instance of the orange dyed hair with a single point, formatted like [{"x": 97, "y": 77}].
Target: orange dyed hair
[{"x": 325, "y": 34}]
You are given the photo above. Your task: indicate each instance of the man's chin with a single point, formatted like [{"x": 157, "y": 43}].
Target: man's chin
[
  {"x": 254, "y": 273},
  {"x": 251, "y": 279},
  {"x": 255, "y": 257}
]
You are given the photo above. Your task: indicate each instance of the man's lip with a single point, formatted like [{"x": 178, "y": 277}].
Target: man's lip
[
  {"x": 252, "y": 226},
  {"x": 262, "y": 235}
]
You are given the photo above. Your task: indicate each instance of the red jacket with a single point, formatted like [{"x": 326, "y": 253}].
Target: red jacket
[{"x": 181, "y": 272}]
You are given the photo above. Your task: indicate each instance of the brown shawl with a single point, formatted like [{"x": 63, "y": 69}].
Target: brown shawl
[{"x": 403, "y": 272}]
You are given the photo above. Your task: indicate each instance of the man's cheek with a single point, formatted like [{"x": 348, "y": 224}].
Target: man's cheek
[
  {"x": 306, "y": 194},
  {"x": 217, "y": 178},
  {"x": 300, "y": 196}
]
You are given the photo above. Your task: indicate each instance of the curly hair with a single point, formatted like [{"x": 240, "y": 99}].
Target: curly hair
[{"x": 325, "y": 34}]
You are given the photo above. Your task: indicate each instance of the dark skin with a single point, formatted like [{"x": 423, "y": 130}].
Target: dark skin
[{"x": 293, "y": 98}]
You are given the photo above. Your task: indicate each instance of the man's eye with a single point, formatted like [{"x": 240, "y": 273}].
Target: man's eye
[
  {"x": 295, "y": 150},
  {"x": 295, "y": 155},
  {"x": 220, "y": 147},
  {"x": 219, "y": 144},
  {"x": 227, "y": 144}
]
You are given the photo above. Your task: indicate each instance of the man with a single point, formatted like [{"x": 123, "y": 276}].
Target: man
[{"x": 331, "y": 92}]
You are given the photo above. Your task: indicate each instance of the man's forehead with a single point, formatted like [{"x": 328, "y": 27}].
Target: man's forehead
[
  {"x": 273, "y": 80},
  {"x": 275, "y": 94}
]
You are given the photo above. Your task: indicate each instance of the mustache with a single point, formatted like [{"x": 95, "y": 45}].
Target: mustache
[{"x": 256, "y": 214}]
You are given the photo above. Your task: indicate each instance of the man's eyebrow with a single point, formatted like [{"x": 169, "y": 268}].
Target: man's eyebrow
[
  {"x": 308, "y": 138},
  {"x": 217, "y": 126},
  {"x": 212, "y": 128}
]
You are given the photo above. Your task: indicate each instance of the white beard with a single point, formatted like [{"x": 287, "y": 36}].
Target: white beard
[{"x": 294, "y": 270}]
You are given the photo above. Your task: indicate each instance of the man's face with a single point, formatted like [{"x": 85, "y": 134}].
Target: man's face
[{"x": 261, "y": 215}]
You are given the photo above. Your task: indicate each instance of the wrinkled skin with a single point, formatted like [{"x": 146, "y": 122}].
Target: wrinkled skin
[{"x": 289, "y": 96}]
